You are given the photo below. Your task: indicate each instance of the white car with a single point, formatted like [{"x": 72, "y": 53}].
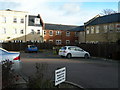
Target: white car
[
  {"x": 73, "y": 51},
  {"x": 11, "y": 56}
]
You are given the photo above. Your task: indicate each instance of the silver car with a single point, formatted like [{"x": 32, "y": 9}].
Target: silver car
[
  {"x": 11, "y": 56},
  {"x": 73, "y": 51}
]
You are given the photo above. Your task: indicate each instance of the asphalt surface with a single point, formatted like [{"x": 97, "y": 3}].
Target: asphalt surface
[{"x": 89, "y": 73}]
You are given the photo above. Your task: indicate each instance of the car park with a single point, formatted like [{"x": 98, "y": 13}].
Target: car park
[
  {"x": 14, "y": 57},
  {"x": 31, "y": 48},
  {"x": 73, "y": 51}
]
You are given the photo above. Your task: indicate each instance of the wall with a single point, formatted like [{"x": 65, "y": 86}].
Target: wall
[
  {"x": 61, "y": 37},
  {"x": 111, "y": 35},
  {"x": 10, "y": 26}
]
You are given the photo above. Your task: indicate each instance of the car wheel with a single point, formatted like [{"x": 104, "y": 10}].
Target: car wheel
[
  {"x": 62, "y": 56},
  {"x": 69, "y": 55},
  {"x": 86, "y": 56}
]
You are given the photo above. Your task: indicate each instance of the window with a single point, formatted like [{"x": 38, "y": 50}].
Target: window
[
  {"x": 22, "y": 20},
  {"x": 105, "y": 28},
  {"x": 44, "y": 32},
  {"x": 58, "y": 42},
  {"x": 111, "y": 27},
  {"x": 4, "y": 19},
  {"x": 15, "y": 20},
  {"x": 92, "y": 30},
  {"x": 51, "y": 33},
  {"x": 15, "y": 31},
  {"x": 67, "y": 33},
  {"x": 58, "y": 33},
  {"x": 118, "y": 27},
  {"x": 3, "y": 31},
  {"x": 76, "y": 41},
  {"x": 87, "y": 30},
  {"x": 38, "y": 31},
  {"x": 37, "y": 20},
  {"x": 21, "y": 32},
  {"x": 76, "y": 34},
  {"x": 67, "y": 41},
  {"x": 50, "y": 41},
  {"x": 32, "y": 31},
  {"x": 97, "y": 29},
  {"x": 71, "y": 48}
]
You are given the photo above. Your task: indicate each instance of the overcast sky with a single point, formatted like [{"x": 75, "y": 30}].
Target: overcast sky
[{"x": 69, "y": 12}]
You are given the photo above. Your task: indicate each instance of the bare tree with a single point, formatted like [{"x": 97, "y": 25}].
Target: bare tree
[{"x": 108, "y": 12}]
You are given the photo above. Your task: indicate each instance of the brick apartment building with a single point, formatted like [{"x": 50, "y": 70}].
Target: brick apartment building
[{"x": 61, "y": 34}]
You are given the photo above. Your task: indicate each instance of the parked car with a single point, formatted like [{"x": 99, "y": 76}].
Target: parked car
[
  {"x": 31, "y": 48},
  {"x": 73, "y": 51},
  {"x": 14, "y": 57}
]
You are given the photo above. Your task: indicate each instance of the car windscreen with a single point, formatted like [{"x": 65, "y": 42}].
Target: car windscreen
[
  {"x": 63, "y": 48},
  {"x": 32, "y": 46}
]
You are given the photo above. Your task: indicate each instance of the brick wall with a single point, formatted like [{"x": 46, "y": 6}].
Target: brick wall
[{"x": 61, "y": 37}]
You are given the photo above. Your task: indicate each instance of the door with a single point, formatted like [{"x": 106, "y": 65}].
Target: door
[{"x": 79, "y": 52}]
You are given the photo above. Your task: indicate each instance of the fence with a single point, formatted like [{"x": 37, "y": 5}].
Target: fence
[
  {"x": 105, "y": 50},
  {"x": 21, "y": 46}
]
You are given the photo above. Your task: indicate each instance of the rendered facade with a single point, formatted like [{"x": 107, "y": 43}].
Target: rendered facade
[
  {"x": 19, "y": 26},
  {"x": 103, "y": 29}
]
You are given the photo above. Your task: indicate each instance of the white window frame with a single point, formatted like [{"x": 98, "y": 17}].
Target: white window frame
[
  {"x": 118, "y": 27},
  {"x": 15, "y": 31},
  {"x": 22, "y": 31},
  {"x": 105, "y": 28},
  {"x": 67, "y": 41},
  {"x": 58, "y": 42},
  {"x": 37, "y": 21},
  {"x": 111, "y": 27},
  {"x": 87, "y": 30},
  {"x": 92, "y": 29},
  {"x": 76, "y": 34},
  {"x": 32, "y": 31},
  {"x": 3, "y": 30},
  {"x": 51, "y": 33},
  {"x": 38, "y": 31},
  {"x": 22, "y": 20},
  {"x": 50, "y": 41},
  {"x": 97, "y": 29},
  {"x": 44, "y": 32},
  {"x": 4, "y": 19},
  {"x": 58, "y": 32},
  {"x": 67, "y": 33},
  {"x": 14, "y": 20}
]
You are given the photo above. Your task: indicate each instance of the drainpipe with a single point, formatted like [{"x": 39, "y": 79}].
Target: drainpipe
[
  {"x": 85, "y": 31},
  {"x": 25, "y": 26}
]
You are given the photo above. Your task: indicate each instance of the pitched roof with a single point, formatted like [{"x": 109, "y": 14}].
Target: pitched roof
[
  {"x": 63, "y": 27},
  {"x": 32, "y": 20},
  {"x": 104, "y": 19}
]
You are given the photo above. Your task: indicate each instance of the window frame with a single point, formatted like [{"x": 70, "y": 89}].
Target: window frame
[
  {"x": 21, "y": 31},
  {"x": 51, "y": 33},
  {"x": 67, "y": 42},
  {"x": 67, "y": 33},
  {"x": 58, "y": 32},
  {"x": 22, "y": 20},
  {"x": 38, "y": 32},
  {"x": 87, "y": 30},
  {"x": 97, "y": 29},
  {"x": 14, "y": 20},
  {"x": 58, "y": 42}
]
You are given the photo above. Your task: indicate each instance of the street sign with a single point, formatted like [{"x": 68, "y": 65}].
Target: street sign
[{"x": 60, "y": 76}]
